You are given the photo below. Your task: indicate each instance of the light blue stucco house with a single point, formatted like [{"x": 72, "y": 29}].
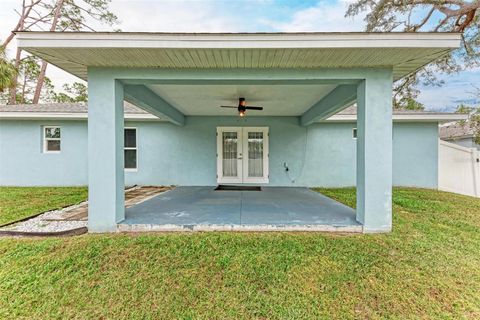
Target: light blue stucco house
[{"x": 185, "y": 137}]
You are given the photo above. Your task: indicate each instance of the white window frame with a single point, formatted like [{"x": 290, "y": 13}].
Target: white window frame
[
  {"x": 131, "y": 148},
  {"x": 45, "y": 139}
]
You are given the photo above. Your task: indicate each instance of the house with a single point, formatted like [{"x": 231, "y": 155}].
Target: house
[
  {"x": 50, "y": 144},
  {"x": 299, "y": 79},
  {"x": 460, "y": 133}
]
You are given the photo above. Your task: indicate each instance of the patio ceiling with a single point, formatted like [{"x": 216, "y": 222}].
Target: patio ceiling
[
  {"x": 277, "y": 100},
  {"x": 73, "y": 52}
]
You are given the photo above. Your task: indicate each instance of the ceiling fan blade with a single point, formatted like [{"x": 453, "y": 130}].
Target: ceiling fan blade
[
  {"x": 253, "y": 108},
  {"x": 229, "y": 107}
]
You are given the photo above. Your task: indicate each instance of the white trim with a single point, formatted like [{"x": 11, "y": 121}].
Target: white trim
[
  {"x": 25, "y": 115},
  {"x": 242, "y": 151},
  {"x": 45, "y": 139},
  {"x": 107, "y": 40},
  {"x": 14, "y": 115},
  {"x": 130, "y": 148},
  {"x": 437, "y": 117}
]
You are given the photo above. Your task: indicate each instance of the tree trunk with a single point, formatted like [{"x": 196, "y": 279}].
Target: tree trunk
[
  {"x": 13, "y": 88},
  {"x": 40, "y": 80},
  {"x": 20, "y": 24},
  {"x": 22, "y": 100},
  {"x": 43, "y": 70}
]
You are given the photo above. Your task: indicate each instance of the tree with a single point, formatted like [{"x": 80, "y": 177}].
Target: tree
[
  {"x": 409, "y": 103},
  {"x": 28, "y": 71},
  {"x": 57, "y": 15},
  {"x": 76, "y": 92},
  {"x": 22, "y": 24},
  {"x": 7, "y": 71},
  {"x": 74, "y": 15},
  {"x": 473, "y": 119},
  {"x": 426, "y": 15}
]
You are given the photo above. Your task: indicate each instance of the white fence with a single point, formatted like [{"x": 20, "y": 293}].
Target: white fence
[{"x": 458, "y": 169}]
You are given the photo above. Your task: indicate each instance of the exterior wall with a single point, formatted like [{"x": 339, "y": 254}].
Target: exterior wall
[
  {"x": 322, "y": 154},
  {"x": 415, "y": 155},
  {"x": 23, "y": 163},
  {"x": 465, "y": 142}
]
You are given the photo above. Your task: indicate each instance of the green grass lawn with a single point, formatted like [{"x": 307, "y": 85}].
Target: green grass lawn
[
  {"x": 428, "y": 267},
  {"x": 19, "y": 202}
]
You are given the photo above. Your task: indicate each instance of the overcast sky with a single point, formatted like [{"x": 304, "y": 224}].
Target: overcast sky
[{"x": 248, "y": 16}]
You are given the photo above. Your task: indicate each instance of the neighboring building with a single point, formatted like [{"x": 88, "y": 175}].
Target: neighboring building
[
  {"x": 459, "y": 133},
  {"x": 49, "y": 144},
  {"x": 300, "y": 79}
]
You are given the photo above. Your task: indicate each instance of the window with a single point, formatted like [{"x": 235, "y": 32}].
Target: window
[
  {"x": 51, "y": 139},
  {"x": 130, "y": 149},
  {"x": 354, "y": 133}
]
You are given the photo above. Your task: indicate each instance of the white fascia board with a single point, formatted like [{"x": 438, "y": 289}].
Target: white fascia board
[
  {"x": 405, "y": 117},
  {"x": 236, "y": 41},
  {"x": 449, "y": 117},
  {"x": 67, "y": 116}
]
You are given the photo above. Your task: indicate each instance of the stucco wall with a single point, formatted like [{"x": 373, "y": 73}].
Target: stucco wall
[
  {"x": 465, "y": 142},
  {"x": 322, "y": 155},
  {"x": 22, "y": 162}
]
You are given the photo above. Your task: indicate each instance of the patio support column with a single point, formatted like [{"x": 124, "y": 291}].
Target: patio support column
[
  {"x": 105, "y": 152},
  {"x": 374, "y": 152}
]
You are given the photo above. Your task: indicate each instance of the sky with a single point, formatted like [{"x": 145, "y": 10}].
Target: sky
[{"x": 249, "y": 16}]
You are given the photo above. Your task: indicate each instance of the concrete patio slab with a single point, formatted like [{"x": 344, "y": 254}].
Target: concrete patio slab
[{"x": 273, "y": 208}]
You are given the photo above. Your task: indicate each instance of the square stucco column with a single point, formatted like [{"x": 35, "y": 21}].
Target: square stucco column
[
  {"x": 374, "y": 152},
  {"x": 105, "y": 153}
]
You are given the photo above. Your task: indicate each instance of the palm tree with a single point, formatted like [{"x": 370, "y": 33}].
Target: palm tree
[{"x": 7, "y": 71}]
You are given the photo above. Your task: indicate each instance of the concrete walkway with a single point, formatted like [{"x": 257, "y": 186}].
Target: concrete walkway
[{"x": 273, "y": 206}]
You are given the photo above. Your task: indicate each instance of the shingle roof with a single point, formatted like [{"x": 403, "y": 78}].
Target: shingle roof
[
  {"x": 457, "y": 130},
  {"x": 61, "y": 108},
  {"x": 352, "y": 110},
  {"x": 131, "y": 109}
]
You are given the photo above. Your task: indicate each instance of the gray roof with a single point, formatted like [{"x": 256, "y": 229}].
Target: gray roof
[
  {"x": 352, "y": 110},
  {"x": 60, "y": 108},
  {"x": 457, "y": 130},
  {"x": 131, "y": 109}
]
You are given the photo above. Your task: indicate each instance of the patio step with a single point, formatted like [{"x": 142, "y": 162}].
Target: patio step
[{"x": 236, "y": 227}]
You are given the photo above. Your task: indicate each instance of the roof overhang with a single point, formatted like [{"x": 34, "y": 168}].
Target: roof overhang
[
  {"x": 421, "y": 117},
  {"x": 407, "y": 117},
  {"x": 75, "y": 51},
  {"x": 28, "y": 115}
]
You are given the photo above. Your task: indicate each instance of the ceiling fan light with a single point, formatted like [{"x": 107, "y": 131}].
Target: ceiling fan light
[{"x": 241, "y": 113}]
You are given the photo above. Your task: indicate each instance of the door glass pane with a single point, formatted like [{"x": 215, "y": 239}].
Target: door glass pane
[
  {"x": 229, "y": 149},
  {"x": 255, "y": 154}
]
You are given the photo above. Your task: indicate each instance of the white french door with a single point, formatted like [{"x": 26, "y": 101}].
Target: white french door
[{"x": 242, "y": 155}]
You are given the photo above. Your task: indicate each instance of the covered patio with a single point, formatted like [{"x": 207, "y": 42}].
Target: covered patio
[
  {"x": 273, "y": 208},
  {"x": 300, "y": 79}
]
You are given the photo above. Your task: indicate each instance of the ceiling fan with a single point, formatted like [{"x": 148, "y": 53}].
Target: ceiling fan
[{"x": 242, "y": 107}]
